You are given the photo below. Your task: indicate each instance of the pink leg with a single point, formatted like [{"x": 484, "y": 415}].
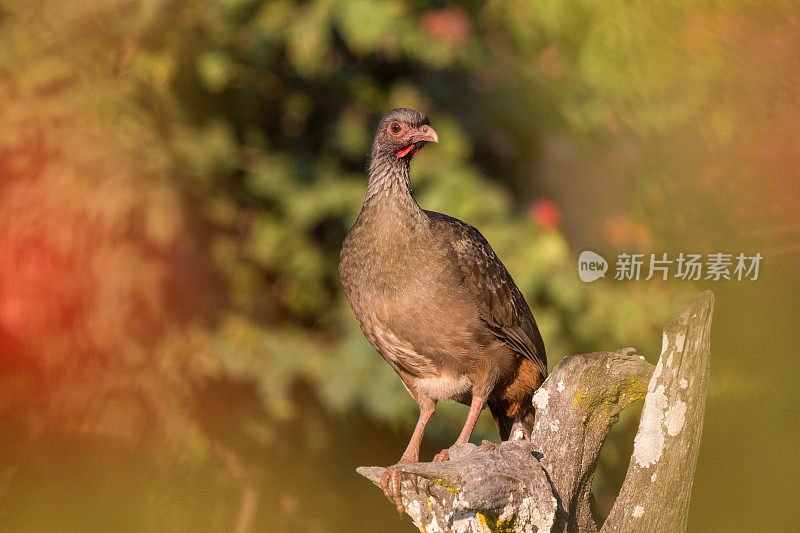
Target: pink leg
[
  {"x": 475, "y": 409},
  {"x": 411, "y": 455},
  {"x": 390, "y": 481}
]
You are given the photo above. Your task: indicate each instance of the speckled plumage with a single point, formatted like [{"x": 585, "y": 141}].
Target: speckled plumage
[{"x": 433, "y": 298}]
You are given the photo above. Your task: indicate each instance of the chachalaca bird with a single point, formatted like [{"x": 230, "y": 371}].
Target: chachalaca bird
[{"x": 435, "y": 301}]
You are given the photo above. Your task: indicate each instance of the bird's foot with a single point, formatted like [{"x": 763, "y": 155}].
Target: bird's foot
[
  {"x": 442, "y": 456},
  {"x": 391, "y": 483}
]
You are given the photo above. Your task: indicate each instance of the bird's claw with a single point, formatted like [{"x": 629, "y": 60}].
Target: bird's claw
[
  {"x": 391, "y": 483},
  {"x": 442, "y": 456},
  {"x": 418, "y": 482},
  {"x": 423, "y": 485}
]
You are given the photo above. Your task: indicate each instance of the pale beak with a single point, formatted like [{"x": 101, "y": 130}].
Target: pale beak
[{"x": 425, "y": 133}]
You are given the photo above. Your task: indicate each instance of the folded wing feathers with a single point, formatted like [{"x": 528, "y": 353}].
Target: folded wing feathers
[{"x": 499, "y": 301}]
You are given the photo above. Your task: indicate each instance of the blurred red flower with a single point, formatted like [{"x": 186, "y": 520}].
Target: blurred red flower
[
  {"x": 451, "y": 25},
  {"x": 546, "y": 214}
]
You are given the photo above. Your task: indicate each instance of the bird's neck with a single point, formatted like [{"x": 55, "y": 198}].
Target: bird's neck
[{"x": 390, "y": 185}]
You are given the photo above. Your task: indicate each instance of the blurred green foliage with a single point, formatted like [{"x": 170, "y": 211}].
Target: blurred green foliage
[
  {"x": 177, "y": 178},
  {"x": 217, "y": 149}
]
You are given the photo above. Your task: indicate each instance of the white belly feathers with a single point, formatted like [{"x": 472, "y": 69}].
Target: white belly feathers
[{"x": 444, "y": 387}]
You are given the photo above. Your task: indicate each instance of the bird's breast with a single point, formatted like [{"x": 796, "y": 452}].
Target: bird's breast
[
  {"x": 410, "y": 303},
  {"x": 386, "y": 257}
]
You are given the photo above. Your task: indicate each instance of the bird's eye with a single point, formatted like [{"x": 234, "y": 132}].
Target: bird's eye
[{"x": 395, "y": 128}]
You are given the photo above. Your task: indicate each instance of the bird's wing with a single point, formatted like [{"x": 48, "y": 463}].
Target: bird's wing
[{"x": 500, "y": 303}]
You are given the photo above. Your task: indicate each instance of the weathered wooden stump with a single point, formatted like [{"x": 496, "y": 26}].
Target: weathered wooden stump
[{"x": 545, "y": 484}]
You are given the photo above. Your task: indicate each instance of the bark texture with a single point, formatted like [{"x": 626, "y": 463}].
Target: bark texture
[{"x": 545, "y": 484}]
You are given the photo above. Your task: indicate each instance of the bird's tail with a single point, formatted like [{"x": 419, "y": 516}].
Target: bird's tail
[{"x": 512, "y": 428}]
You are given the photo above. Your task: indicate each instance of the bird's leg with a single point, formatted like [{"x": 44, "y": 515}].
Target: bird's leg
[
  {"x": 475, "y": 409},
  {"x": 390, "y": 481}
]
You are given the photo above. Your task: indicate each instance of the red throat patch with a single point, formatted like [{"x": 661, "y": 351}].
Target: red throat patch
[{"x": 404, "y": 151}]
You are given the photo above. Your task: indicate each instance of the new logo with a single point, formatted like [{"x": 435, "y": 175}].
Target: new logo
[{"x": 591, "y": 266}]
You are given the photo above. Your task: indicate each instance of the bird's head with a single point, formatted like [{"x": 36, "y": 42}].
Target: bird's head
[{"x": 401, "y": 133}]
